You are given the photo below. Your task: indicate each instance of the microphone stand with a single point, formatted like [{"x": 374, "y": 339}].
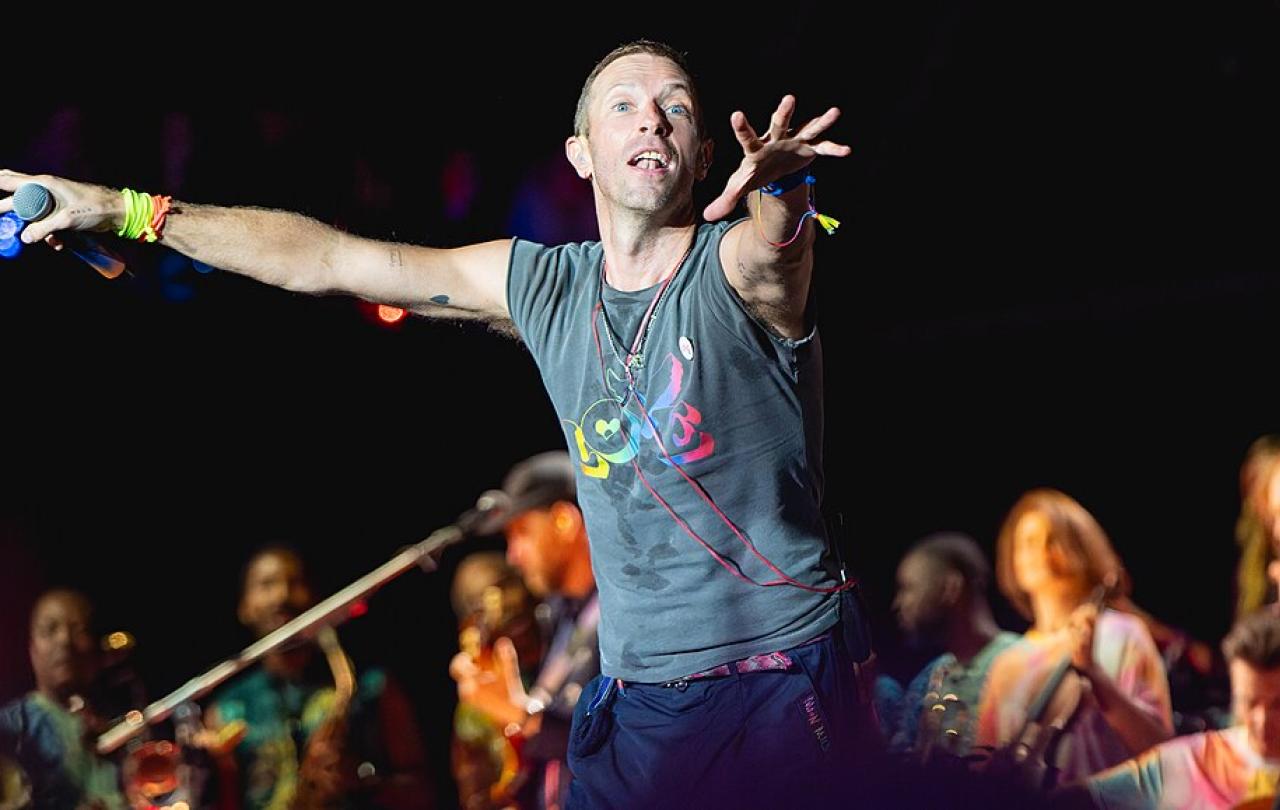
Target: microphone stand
[{"x": 328, "y": 613}]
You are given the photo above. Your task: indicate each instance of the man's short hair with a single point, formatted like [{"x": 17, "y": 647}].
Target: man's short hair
[
  {"x": 278, "y": 548},
  {"x": 580, "y": 122},
  {"x": 539, "y": 481},
  {"x": 960, "y": 553},
  {"x": 1255, "y": 640},
  {"x": 67, "y": 593}
]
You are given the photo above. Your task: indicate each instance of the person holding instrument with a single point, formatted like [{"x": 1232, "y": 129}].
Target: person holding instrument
[
  {"x": 317, "y": 733},
  {"x": 491, "y": 603},
  {"x": 547, "y": 544},
  {"x": 942, "y": 600},
  {"x": 1053, "y": 561},
  {"x": 1235, "y": 767}
]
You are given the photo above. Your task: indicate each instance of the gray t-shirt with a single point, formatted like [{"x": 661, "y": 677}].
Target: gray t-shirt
[{"x": 738, "y": 409}]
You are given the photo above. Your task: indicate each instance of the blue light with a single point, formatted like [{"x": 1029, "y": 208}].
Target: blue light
[
  {"x": 10, "y": 227},
  {"x": 175, "y": 280}
]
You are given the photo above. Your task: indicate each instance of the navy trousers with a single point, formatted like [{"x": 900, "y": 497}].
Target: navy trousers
[{"x": 772, "y": 738}]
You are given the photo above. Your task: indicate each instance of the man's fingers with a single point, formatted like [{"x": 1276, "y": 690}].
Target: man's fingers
[
  {"x": 37, "y": 231},
  {"x": 829, "y": 149},
  {"x": 10, "y": 180},
  {"x": 818, "y": 125},
  {"x": 721, "y": 206},
  {"x": 462, "y": 667},
  {"x": 781, "y": 118},
  {"x": 505, "y": 652},
  {"x": 744, "y": 133}
]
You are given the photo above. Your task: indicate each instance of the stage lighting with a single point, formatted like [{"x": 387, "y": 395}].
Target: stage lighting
[
  {"x": 10, "y": 227},
  {"x": 390, "y": 314}
]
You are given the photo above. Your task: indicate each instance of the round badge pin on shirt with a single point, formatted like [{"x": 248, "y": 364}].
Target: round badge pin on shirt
[{"x": 686, "y": 347}]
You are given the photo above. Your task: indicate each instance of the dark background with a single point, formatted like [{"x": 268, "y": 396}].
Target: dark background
[{"x": 1057, "y": 267}]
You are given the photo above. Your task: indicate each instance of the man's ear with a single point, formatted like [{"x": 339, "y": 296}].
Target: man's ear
[
  {"x": 575, "y": 148},
  {"x": 704, "y": 158},
  {"x": 566, "y": 520},
  {"x": 952, "y": 588}
]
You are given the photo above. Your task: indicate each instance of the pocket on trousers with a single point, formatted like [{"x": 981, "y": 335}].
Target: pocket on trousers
[
  {"x": 854, "y": 627},
  {"x": 593, "y": 717}
]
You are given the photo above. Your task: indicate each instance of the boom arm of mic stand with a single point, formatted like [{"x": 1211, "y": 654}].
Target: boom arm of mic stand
[{"x": 328, "y": 613}]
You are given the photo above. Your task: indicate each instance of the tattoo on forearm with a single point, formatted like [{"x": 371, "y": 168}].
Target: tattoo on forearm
[
  {"x": 397, "y": 260},
  {"x": 442, "y": 300}
]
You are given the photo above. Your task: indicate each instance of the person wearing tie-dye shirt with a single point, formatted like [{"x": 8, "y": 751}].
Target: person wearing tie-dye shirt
[
  {"x": 1233, "y": 767},
  {"x": 1050, "y": 556}
]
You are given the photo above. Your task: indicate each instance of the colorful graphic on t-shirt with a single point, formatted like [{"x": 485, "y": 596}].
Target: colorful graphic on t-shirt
[{"x": 611, "y": 429}]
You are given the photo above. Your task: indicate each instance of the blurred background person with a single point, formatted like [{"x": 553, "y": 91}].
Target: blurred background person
[
  {"x": 941, "y": 601},
  {"x": 1255, "y": 580},
  {"x": 48, "y": 733},
  {"x": 547, "y": 543},
  {"x": 1053, "y": 562},
  {"x": 1235, "y": 767},
  {"x": 491, "y": 602},
  {"x": 317, "y": 733}
]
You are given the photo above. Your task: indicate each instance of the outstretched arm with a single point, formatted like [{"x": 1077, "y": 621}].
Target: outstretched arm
[
  {"x": 295, "y": 252},
  {"x": 769, "y": 259}
]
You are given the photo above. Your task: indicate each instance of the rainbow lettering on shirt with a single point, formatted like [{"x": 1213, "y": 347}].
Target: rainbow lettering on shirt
[{"x": 611, "y": 429}]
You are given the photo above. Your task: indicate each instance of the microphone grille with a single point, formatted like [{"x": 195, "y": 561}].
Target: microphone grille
[
  {"x": 493, "y": 500},
  {"x": 32, "y": 202},
  {"x": 488, "y": 515}
]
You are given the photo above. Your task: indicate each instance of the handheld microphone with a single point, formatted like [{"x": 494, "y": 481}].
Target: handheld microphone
[
  {"x": 33, "y": 202},
  {"x": 488, "y": 515}
]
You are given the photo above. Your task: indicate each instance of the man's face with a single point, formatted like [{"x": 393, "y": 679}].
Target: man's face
[
  {"x": 643, "y": 147},
  {"x": 920, "y": 601},
  {"x": 63, "y": 651},
  {"x": 275, "y": 591},
  {"x": 1255, "y": 695},
  {"x": 534, "y": 548}
]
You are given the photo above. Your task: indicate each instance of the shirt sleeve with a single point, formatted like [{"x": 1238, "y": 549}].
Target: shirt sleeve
[
  {"x": 1137, "y": 670},
  {"x": 538, "y": 283},
  {"x": 1136, "y": 784}
]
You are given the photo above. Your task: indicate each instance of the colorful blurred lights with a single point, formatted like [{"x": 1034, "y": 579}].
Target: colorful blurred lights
[
  {"x": 10, "y": 227},
  {"x": 390, "y": 314}
]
